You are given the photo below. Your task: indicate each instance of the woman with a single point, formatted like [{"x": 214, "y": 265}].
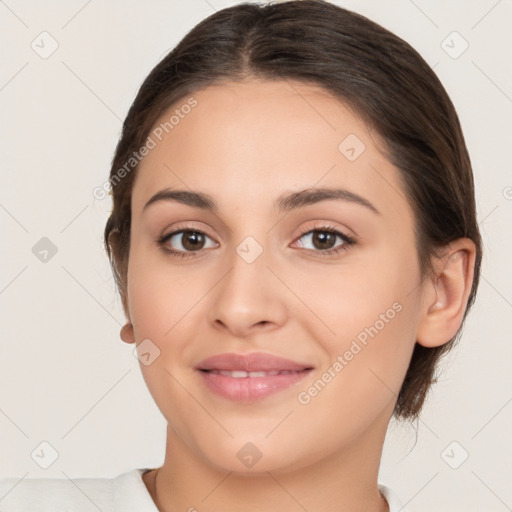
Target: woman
[{"x": 294, "y": 240}]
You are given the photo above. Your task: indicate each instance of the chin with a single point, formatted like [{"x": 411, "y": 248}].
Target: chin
[{"x": 253, "y": 457}]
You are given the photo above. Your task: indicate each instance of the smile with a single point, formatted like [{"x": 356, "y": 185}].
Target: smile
[{"x": 240, "y": 374}]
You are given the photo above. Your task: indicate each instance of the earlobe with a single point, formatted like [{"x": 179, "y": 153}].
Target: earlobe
[
  {"x": 127, "y": 334},
  {"x": 446, "y": 295}
]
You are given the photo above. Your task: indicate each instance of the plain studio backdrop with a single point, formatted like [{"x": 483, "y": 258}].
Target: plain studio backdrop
[{"x": 69, "y": 387}]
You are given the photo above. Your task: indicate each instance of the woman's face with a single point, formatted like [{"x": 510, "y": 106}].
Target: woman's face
[{"x": 252, "y": 275}]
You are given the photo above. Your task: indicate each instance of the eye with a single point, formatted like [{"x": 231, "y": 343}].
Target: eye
[
  {"x": 190, "y": 240},
  {"x": 323, "y": 239}
]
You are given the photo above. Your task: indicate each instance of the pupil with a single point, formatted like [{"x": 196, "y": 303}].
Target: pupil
[
  {"x": 190, "y": 237},
  {"x": 321, "y": 237}
]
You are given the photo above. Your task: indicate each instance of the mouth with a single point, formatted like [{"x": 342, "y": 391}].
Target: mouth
[
  {"x": 240, "y": 374},
  {"x": 251, "y": 362},
  {"x": 250, "y": 377}
]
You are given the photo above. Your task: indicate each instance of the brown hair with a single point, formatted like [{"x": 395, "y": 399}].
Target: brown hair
[{"x": 377, "y": 74}]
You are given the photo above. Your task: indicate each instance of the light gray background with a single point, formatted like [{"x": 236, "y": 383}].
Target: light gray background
[{"x": 67, "y": 379}]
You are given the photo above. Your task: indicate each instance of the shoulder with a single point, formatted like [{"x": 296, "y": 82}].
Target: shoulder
[
  {"x": 395, "y": 505},
  {"x": 72, "y": 495},
  {"x": 55, "y": 494}
]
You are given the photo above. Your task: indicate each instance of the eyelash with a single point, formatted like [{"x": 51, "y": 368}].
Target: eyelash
[{"x": 349, "y": 241}]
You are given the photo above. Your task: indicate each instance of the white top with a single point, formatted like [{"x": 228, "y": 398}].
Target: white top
[{"x": 124, "y": 493}]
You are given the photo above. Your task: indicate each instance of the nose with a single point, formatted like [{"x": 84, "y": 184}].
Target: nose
[{"x": 248, "y": 299}]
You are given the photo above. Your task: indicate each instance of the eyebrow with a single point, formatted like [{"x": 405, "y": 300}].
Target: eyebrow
[{"x": 285, "y": 202}]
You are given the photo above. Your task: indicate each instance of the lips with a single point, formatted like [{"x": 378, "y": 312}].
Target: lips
[
  {"x": 240, "y": 374},
  {"x": 250, "y": 377},
  {"x": 253, "y": 362}
]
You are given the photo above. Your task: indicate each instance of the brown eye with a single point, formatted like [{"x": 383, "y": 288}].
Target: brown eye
[
  {"x": 323, "y": 240},
  {"x": 192, "y": 240},
  {"x": 184, "y": 241}
]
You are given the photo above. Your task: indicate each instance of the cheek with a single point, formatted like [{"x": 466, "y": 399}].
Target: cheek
[
  {"x": 160, "y": 295},
  {"x": 371, "y": 314},
  {"x": 366, "y": 362},
  {"x": 161, "y": 305},
  {"x": 356, "y": 296}
]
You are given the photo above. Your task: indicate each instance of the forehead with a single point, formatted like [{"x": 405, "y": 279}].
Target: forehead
[{"x": 257, "y": 138}]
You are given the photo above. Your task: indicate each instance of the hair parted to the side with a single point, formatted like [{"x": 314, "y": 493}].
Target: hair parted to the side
[{"x": 374, "y": 72}]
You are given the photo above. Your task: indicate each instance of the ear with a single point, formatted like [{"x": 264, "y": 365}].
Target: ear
[
  {"x": 445, "y": 296},
  {"x": 127, "y": 334}
]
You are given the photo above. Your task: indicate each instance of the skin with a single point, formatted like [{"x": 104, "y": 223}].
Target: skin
[{"x": 245, "y": 144}]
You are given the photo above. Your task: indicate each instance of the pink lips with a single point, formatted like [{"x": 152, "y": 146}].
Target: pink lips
[{"x": 250, "y": 377}]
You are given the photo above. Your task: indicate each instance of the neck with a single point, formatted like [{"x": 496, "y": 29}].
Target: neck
[{"x": 343, "y": 481}]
